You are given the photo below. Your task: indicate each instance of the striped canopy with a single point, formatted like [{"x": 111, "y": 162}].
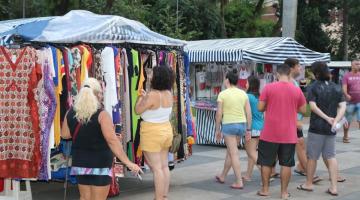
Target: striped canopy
[
  {"x": 85, "y": 26},
  {"x": 272, "y": 50}
]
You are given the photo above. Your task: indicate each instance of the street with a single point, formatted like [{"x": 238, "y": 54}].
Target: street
[{"x": 195, "y": 178}]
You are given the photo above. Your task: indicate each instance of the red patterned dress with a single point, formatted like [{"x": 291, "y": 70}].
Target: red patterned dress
[{"x": 19, "y": 119}]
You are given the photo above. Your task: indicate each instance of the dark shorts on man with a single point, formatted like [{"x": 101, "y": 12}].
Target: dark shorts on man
[
  {"x": 300, "y": 133},
  {"x": 269, "y": 151},
  {"x": 96, "y": 180}
]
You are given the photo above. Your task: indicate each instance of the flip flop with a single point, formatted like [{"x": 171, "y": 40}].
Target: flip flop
[
  {"x": 301, "y": 187},
  {"x": 219, "y": 180},
  {"x": 316, "y": 179},
  {"x": 237, "y": 187},
  {"x": 276, "y": 175},
  {"x": 341, "y": 180},
  {"x": 346, "y": 140},
  {"x": 261, "y": 194},
  {"x": 331, "y": 193},
  {"x": 301, "y": 173}
]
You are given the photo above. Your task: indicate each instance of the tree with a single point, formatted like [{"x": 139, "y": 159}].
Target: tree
[
  {"x": 311, "y": 17},
  {"x": 243, "y": 19}
]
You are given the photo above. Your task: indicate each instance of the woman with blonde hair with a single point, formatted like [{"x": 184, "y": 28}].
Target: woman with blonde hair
[
  {"x": 156, "y": 133},
  {"x": 94, "y": 142}
]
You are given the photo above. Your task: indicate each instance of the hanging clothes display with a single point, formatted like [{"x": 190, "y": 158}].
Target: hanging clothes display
[{"x": 20, "y": 133}]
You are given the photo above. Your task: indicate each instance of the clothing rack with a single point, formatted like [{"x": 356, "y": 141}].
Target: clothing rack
[{"x": 12, "y": 190}]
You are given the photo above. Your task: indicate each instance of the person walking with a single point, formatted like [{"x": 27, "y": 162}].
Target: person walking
[
  {"x": 281, "y": 101},
  {"x": 156, "y": 133},
  {"x": 234, "y": 115},
  {"x": 351, "y": 88},
  {"x": 256, "y": 125},
  {"x": 327, "y": 103},
  {"x": 94, "y": 142}
]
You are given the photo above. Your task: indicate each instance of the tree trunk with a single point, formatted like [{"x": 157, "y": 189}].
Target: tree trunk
[
  {"x": 222, "y": 14},
  {"x": 258, "y": 7},
  {"x": 345, "y": 30},
  {"x": 277, "y": 28},
  {"x": 109, "y": 4}
]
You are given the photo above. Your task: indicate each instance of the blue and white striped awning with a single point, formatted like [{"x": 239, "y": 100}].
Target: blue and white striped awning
[
  {"x": 85, "y": 26},
  {"x": 273, "y": 50}
]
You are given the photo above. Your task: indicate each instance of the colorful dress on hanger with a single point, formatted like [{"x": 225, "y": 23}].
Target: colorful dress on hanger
[
  {"x": 20, "y": 133},
  {"x": 46, "y": 99}
]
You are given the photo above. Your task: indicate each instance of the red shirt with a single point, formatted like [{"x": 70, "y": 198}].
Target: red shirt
[{"x": 282, "y": 102}]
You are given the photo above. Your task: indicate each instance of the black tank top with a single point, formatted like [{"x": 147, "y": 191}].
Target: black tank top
[{"x": 90, "y": 148}]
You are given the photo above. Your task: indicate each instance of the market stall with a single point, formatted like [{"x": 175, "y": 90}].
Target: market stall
[
  {"x": 55, "y": 55},
  {"x": 211, "y": 59}
]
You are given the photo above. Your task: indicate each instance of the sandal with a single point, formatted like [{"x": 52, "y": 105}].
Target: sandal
[
  {"x": 331, "y": 193},
  {"x": 219, "y": 180},
  {"x": 301, "y": 187},
  {"x": 316, "y": 179},
  {"x": 346, "y": 140},
  {"x": 301, "y": 173}
]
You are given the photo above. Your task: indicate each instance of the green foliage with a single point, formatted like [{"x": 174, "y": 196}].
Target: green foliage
[
  {"x": 310, "y": 19},
  {"x": 242, "y": 21}
]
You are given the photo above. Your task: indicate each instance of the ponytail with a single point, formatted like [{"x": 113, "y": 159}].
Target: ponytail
[{"x": 86, "y": 102}]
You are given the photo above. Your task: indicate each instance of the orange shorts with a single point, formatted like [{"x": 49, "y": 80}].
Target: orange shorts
[{"x": 155, "y": 137}]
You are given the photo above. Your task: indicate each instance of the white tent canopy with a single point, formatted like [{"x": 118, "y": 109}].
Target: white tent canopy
[
  {"x": 273, "y": 50},
  {"x": 85, "y": 26}
]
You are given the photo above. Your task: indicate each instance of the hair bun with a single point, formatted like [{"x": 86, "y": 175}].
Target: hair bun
[{"x": 234, "y": 71}]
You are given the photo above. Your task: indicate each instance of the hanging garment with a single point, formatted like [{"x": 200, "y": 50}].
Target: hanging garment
[
  {"x": 45, "y": 97},
  {"x": 116, "y": 109},
  {"x": 133, "y": 91},
  {"x": 126, "y": 116},
  {"x": 19, "y": 138},
  {"x": 107, "y": 63},
  {"x": 243, "y": 75}
]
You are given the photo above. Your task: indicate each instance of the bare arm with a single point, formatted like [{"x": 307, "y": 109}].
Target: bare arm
[
  {"x": 345, "y": 90},
  {"x": 144, "y": 102},
  {"x": 302, "y": 109},
  {"x": 314, "y": 108},
  {"x": 262, "y": 106},
  {"x": 248, "y": 114},
  {"x": 218, "y": 117},
  {"x": 65, "y": 131},
  {"x": 115, "y": 145},
  {"x": 340, "y": 112}
]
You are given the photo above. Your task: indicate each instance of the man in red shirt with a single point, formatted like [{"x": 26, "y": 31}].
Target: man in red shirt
[
  {"x": 351, "y": 88},
  {"x": 281, "y": 101}
]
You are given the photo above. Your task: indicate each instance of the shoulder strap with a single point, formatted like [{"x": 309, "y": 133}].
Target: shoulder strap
[{"x": 76, "y": 132}]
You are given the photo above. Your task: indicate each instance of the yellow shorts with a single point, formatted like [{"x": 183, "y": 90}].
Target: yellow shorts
[{"x": 155, "y": 137}]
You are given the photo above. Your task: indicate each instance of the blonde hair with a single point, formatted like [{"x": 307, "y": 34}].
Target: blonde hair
[{"x": 86, "y": 102}]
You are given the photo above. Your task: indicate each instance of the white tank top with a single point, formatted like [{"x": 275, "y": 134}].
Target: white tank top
[{"x": 159, "y": 115}]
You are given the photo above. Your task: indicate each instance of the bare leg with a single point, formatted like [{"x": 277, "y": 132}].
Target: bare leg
[
  {"x": 154, "y": 160},
  {"x": 310, "y": 171},
  {"x": 85, "y": 192},
  {"x": 232, "y": 146},
  {"x": 285, "y": 178},
  {"x": 99, "y": 192},
  {"x": 339, "y": 178},
  {"x": 166, "y": 171},
  {"x": 301, "y": 154},
  {"x": 227, "y": 166},
  {"x": 333, "y": 171},
  {"x": 252, "y": 156},
  {"x": 265, "y": 178},
  {"x": 346, "y": 133}
]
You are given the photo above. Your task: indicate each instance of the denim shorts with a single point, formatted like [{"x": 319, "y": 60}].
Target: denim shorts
[
  {"x": 351, "y": 109},
  {"x": 236, "y": 129}
]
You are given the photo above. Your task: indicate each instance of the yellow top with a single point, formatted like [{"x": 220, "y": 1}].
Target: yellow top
[{"x": 233, "y": 100}]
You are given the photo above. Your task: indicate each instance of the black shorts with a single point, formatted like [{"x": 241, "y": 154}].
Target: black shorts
[
  {"x": 97, "y": 180},
  {"x": 300, "y": 133},
  {"x": 268, "y": 151}
]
